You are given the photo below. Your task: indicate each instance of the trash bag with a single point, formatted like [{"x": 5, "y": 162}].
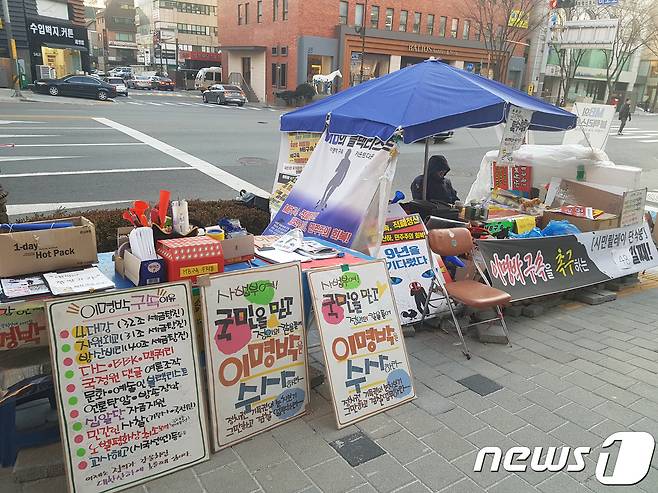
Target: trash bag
[
  {"x": 533, "y": 233},
  {"x": 558, "y": 228},
  {"x": 252, "y": 200}
]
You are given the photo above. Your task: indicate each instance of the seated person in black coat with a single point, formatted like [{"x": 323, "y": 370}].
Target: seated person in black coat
[{"x": 439, "y": 187}]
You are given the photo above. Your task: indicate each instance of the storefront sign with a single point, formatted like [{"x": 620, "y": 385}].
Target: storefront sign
[
  {"x": 518, "y": 19},
  {"x": 411, "y": 268},
  {"x": 126, "y": 45},
  {"x": 255, "y": 351},
  {"x": 128, "y": 384},
  {"x": 364, "y": 352},
  {"x": 345, "y": 183},
  {"x": 432, "y": 50},
  {"x": 594, "y": 122},
  {"x": 518, "y": 121},
  {"x": 539, "y": 266},
  {"x": 295, "y": 150},
  {"x": 199, "y": 55},
  {"x": 50, "y": 32},
  {"x": 22, "y": 325}
]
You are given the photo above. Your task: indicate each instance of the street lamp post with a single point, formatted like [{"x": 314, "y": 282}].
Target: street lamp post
[
  {"x": 363, "y": 40},
  {"x": 11, "y": 45}
]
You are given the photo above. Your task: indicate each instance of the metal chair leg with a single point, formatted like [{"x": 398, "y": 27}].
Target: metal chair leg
[
  {"x": 504, "y": 325},
  {"x": 427, "y": 302},
  {"x": 465, "y": 350}
]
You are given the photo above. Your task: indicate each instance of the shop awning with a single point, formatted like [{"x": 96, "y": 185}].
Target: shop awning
[
  {"x": 422, "y": 100},
  {"x": 66, "y": 47}
]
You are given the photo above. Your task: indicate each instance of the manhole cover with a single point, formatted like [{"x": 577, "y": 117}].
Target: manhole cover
[{"x": 253, "y": 161}]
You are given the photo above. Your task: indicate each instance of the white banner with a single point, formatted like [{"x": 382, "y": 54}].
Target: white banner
[
  {"x": 594, "y": 122},
  {"x": 518, "y": 121}
]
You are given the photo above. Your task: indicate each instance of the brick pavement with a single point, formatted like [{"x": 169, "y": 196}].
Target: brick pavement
[{"x": 573, "y": 376}]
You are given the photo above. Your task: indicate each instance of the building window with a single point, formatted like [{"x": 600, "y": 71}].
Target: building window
[
  {"x": 374, "y": 17},
  {"x": 417, "y": 19},
  {"x": 275, "y": 74},
  {"x": 358, "y": 15},
  {"x": 478, "y": 32},
  {"x": 454, "y": 28},
  {"x": 275, "y": 51},
  {"x": 403, "y": 20},
  {"x": 246, "y": 13},
  {"x": 283, "y": 75},
  {"x": 342, "y": 12},
  {"x": 499, "y": 32},
  {"x": 259, "y": 11},
  {"x": 125, "y": 37},
  {"x": 285, "y": 10},
  {"x": 196, "y": 29},
  {"x": 442, "y": 26},
  {"x": 189, "y": 8},
  {"x": 275, "y": 9},
  {"x": 430, "y": 24},
  {"x": 123, "y": 20},
  {"x": 240, "y": 17},
  {"x": 389, "y": 19},
  {"x": 284, "y": 51},
  {"x": 466, "y": 31}
]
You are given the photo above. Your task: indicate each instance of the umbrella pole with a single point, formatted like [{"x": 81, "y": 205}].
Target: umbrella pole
[{"x": 427, "y": 157}]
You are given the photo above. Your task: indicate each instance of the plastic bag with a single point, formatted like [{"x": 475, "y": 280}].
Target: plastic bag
[
  {"x": 557, "y": 228},
  {"x": 533, "y": 233}
]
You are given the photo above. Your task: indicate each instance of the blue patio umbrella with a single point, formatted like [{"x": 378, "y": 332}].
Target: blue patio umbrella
[{"x": 420, "y": 101}]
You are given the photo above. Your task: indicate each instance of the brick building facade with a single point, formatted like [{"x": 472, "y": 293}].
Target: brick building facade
[{"x": 277, "y": 44}]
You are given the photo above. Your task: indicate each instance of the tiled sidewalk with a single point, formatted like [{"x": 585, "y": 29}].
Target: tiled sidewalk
[{"x": 573, "y": 376}]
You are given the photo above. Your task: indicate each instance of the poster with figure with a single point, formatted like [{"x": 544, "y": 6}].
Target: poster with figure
[
  {"x": 295, "y": 150},
  {"x": 346, "y": 181},
  {"x": 255, "y": 351},
  {"x": 518, "y": 122},
  {"x": 365, "y": 356},
  {"x": 411, "y": 268},
  {"x": 540, "y": 266},
  {"x": 128, "y": 385},
  {"x": 594, "y": 122}
]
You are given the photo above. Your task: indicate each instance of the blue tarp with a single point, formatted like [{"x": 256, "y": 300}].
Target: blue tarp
[{"x": 422, "y": 100}]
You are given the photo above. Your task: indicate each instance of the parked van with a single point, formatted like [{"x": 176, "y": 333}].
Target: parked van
[{"x": 206, "y": 77}]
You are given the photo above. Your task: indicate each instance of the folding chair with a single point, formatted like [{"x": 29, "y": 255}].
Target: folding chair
[{"x": 470, "y": 293}]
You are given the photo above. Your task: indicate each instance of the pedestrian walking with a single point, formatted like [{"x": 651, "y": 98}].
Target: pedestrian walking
[{"x": 624, "y": 115}]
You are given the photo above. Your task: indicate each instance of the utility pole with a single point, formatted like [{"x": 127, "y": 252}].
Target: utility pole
[
  {"x": 363, "y": 40},
  {"x": 11, "y": 45}
]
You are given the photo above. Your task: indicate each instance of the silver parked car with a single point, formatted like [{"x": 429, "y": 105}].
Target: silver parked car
[{"x": 225, "y": 94}]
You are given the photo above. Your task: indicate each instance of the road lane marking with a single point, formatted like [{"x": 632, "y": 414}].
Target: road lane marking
[
  {"x": 6, "y": 159},
  {"x": 169, "y": 104},
  {"x": 134, "y": 102},
  {"x": 95, "y": 172},
  {"x": 205, "y": 167},
  {"x": 627, "y": 137},
  {"x": 187, "y": 104},
  {"x": 63, "y": 128},
  {"x": 649, "y": 141},
  {"x": 253, "y": 108},
  {"x": 153, "y": 104},
  {"x": 11, "y": 122},
  {"x": 84, "y": 145},
  {"x": 19, "y": 209},
  {"x": 11, "y": 136}
]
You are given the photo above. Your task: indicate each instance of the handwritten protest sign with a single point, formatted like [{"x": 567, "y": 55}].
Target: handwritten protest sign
[
  {"x": 363, "y": 346},
  {"x": 255, "y": 351},
  {"x": 127, "y": 378},
  {"x": 22, "y": 324}
]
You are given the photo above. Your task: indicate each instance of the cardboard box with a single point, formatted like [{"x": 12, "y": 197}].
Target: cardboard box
[
  {"x": 141, "y": 272},
  {"x": 238, "y": 249},
  {"x": 46, "y": 250},
  {"x": 604, "y": 221},
  {"x": 188, "y": 258}
]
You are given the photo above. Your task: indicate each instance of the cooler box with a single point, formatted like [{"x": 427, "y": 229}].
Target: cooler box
[{"x": 187, "y": 258}]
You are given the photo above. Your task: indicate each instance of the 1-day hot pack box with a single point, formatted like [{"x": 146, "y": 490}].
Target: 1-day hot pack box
[
  {"x": 28, "y": 252},
  {"x": 187, "y": 258}
]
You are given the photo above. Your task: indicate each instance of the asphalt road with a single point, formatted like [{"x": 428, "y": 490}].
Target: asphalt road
[{"x": 92, "y": 153}]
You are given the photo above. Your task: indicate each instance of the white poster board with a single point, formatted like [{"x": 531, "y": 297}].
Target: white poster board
[
  {"x": 128, "y": 384},
  {"x": 365, "y": 356},
  {"x": 256, "y": 356},
  {"x": 594, "y": 122},
  {"x": 632, "y": 211},
  {"x": 518, "y": 122}
]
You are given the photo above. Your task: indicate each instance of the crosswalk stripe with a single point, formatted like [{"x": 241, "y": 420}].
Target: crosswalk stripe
[
  {"x": 170, "y": 104},
  {"x": 653, "y": 141},
  {"x": 154, "y": 104},
  {"x": 253, "y": 108},
  {"x": 95, "y": 172},
  {"x": 187, "y": 104},
  {"x": 622, "y": 137},
  {"x": 134, "y": 102}
]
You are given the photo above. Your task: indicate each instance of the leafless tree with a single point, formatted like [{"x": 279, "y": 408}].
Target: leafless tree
[
  {"x": 569, "y": 58},
  {"x": 502, "y": 25}
]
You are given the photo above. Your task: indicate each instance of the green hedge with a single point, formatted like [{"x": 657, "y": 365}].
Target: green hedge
[{"x": 202, "y": 213}]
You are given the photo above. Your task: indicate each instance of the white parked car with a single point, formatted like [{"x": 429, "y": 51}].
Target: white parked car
[{"x": 119, "y": 84}]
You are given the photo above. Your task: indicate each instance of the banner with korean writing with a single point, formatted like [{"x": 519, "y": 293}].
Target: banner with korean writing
[
  {"x": 22, "y": 324},
  {"x": 128, "y": 383},
  {"x": 411, "y": 268},
  {"x": 346, "y": 183},
  {"x": 539, "y": 266},
  {"x": 295, "y": 150},
  {"x": 366, "y": 359},
  {"x": 518, "y": 122},
  {"x": 594, "y": 122},
  {"x": 255, "y": 351}
]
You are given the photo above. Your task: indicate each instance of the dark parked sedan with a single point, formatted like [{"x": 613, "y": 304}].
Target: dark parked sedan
[
  {"x": 164, "y": 84},
  {"x": 81, "y": 86},
  {"x": 224, "y": 94}
]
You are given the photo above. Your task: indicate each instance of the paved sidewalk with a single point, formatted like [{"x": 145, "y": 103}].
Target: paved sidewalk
[{"x": 573, "y": 376}]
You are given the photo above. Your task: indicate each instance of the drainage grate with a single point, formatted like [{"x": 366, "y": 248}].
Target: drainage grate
[
  {"x": 480, "y": 384},
  {"x": 253, "y": 161},
  {"x": 357, "y": 449}
]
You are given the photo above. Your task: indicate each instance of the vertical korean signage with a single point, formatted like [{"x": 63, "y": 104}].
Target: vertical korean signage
[
  {"x": 255, "y": 351},
  {"x": 128, "y": 383},
  {"x": 518, "y": 122},
  {"x": 364, "y": 351},
  {"x": 410, "y": 267}
]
